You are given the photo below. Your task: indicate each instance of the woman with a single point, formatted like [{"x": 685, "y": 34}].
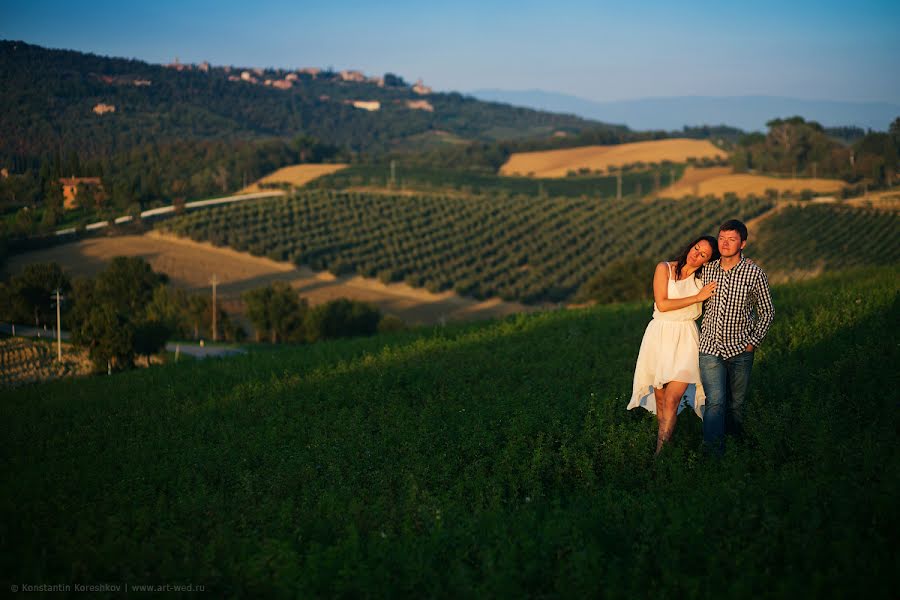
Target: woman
[{"x": 667, "y": 374}]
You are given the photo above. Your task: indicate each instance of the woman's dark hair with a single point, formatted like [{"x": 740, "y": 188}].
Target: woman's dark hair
[{"x": 682, "y": 258}]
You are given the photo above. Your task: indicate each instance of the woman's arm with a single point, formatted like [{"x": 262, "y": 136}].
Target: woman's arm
[{"x": 661, "y": 291}]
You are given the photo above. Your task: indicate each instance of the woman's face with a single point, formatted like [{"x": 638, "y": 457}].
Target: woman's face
[{"x": 700, "y": 254}]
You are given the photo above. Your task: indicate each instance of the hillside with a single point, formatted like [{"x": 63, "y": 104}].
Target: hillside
[
  {"x": 559, "y": 163},
  {"x": 491, "y": 460},
  {"x": 529, "y": 249},
  {"x": 718, "y": 181},
  {"x": 48, "y": 102},
  {"x": 189, "y": 266}
]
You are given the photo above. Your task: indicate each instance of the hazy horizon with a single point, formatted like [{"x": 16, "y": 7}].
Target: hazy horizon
[{"x": 606, "y": 52}]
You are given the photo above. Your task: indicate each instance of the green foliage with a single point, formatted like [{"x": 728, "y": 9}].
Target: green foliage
[
  {"x": 150, "y": 337},
  {"x": 467, "y": 181},
  {"x": 714, "y": 133},
  {"x": 795, "y": 147},
  {"x": 277, "y": 310},
  {"x": 623, "y": 280},
  {"x": 489, "y": 460},
  {"x": 110, "y": 316},
  {"x": 47, "y": 97},
  {"x": 170, "y": 306},
  {"x": 107, "y": 333},
  {"x": 29, "y": 297},
  {"x": 519, "y": 248},
  {"x": 341, "y": 318},
  {"x": 127, "y": 283}
]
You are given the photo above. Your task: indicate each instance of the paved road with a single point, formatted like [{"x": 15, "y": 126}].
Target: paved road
[
  {"x": 164, "y": 210},
  {"x": 189, "y": 348}
]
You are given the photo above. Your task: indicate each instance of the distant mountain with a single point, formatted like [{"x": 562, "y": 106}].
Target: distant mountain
[
  {"x": 62, "y": 101},
  {"x": 749, "y": 113}
]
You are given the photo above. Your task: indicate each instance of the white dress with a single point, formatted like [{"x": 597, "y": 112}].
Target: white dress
[{"x": 670, "y": 351}]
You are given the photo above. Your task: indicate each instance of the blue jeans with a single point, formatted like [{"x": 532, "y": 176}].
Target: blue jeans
[{"x": 725, "y": 382}]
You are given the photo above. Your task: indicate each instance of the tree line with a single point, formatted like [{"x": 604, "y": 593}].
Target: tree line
[
  {"x": 128, "y": 311},
  {"x": 796, "y": 147},
  {"x": 143, "y": 177}
]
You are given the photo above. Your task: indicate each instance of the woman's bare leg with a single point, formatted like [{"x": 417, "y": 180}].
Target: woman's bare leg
[
  {"x": 660, "y": 395},
  {"x": 668, "y": 411}
]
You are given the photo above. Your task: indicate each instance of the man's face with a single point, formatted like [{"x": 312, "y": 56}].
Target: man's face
[{"x": 730, "y": 243}]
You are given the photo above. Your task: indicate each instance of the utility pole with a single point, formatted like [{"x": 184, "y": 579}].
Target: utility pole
[
  {"x": 58, "y": 326},
  {"x": 619, "y": 184},
  {"x": 214, "y": 281},
  {"x": 393, "y": 172}
]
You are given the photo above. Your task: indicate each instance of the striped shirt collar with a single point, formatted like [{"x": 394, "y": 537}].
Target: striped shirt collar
[{"x": 718, "y": 264}]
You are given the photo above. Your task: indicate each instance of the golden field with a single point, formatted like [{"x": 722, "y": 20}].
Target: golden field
[
  {"x": 558, "y": 163},
  {"x": 296, "y": 175},
  {"x": 189, "y": 265},
  {"x": 719, "y": 181}
]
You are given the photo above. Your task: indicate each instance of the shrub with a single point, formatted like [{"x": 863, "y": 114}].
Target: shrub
[
  {"x": 622, "y": 280},
  {"x": 341, "y": 318}
]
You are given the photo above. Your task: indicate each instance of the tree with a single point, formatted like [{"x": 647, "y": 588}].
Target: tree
[
  {"x": 24, "y": 224},
  {"x": 391, "y": 80},
  {"x": 199, "y": 312},
  {"x": 170, "y": 306},
  {"x": 622, "y": 280},
  {"x": 278, "y": 311},
  {"x": 110, "y": 315},
  {"x": 84, "y": 197},
  {"x": 108, "y": 336},
  {"x": 341, "y": 318},
  {"x": 128, "y": 284},
  {"x": 150, "y": 337},
  {"x": 894, "y": 129},
  {"x": 257, "y": 302},
  {"x": 30, "y": 292}
]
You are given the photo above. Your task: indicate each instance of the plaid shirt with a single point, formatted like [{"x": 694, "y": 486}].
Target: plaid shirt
[{"x": 740, "y": 310}]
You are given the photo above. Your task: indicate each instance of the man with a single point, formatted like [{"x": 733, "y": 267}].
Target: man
[{"x": 735, "y": 321}]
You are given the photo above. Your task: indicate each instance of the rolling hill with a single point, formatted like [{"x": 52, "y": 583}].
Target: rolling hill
[
  {"x": 471, "y": 461},
  {"x": 99, "y": 106}
]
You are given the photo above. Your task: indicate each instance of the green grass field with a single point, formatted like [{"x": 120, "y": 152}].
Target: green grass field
[{"x": 468, "y": 461}]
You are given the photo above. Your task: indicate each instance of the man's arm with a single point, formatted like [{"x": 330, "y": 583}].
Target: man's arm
[{"x": 761, "y": 298}]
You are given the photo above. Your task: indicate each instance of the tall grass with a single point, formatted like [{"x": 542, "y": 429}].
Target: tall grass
[{"x": 493, "y": 459}]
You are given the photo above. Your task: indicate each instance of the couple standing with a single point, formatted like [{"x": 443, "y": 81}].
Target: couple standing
[{"x": 676, "y": 367}]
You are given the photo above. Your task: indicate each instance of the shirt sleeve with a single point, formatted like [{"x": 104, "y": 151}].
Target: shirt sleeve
[{"x": 761, "y": 298}]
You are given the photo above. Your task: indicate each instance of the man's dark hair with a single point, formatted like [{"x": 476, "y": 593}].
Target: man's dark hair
[{"x": 735, "y": 225}]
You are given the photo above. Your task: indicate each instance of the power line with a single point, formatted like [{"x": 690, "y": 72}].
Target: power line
[{"x": 58, "y": 325}]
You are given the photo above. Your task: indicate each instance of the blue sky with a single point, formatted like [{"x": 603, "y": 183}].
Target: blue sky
[{"x": 597, "y": 50}]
